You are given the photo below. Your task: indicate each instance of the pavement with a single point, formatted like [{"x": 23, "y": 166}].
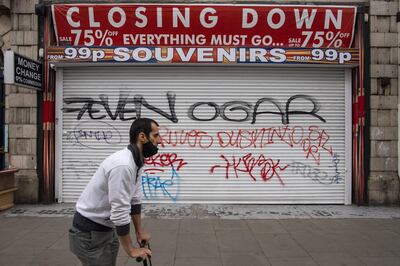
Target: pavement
[{"x": 220, "y": 235}]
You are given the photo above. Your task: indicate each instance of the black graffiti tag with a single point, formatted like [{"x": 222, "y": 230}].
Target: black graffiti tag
[
  {"x": 251, "y": 112},
  {"x": 91, "y": 106}
]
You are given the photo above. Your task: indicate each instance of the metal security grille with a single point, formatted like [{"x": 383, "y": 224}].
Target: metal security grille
[{"x": 230, "y": 134}]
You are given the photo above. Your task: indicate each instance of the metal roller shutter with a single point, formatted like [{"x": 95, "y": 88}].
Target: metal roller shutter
[{"x": 230, "y": 134}]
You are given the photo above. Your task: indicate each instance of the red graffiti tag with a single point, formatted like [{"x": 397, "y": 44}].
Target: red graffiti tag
[
  {"x": 165, "y": 159},
  {"x": 262, "y": 167},
  {"x": 191, "y": 138},
  {"x": 311, "y": 140}
]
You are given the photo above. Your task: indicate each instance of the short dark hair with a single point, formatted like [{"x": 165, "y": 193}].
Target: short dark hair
[{"x": 140, "y": 125}]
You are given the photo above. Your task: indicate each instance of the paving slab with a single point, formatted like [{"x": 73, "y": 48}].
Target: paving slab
[
  {"x": 62, "y": 243},
  {"x": 299, "y": 225},
  {"x": 336, "y": 259},
  {"x": 53, "y": 224},
  {"x": 163, "y": 241},
  {"x": 224, "y": 224},
  {"x": 197, "y": 246},
  {"x": 162, "y": 224},
  {"x": 33, "y": 243},
  {"x": 329, "y": 225},
  {"x": 55, "y": 257},
  {"x": 244, "y": 258},
  {"x": 387, "y": 239},
  {"x": 293, "y": 262},
  {"x": 266, "y": 226},
  {"x": 280, "y": 246},
  {"x": 391, "y": 224},
  {"x": 316, "y": 241},
  {"x": 198, "y": 262},
  {"x": 21, "y": 260},
  {"x": 199, "y": 226},
  {"x": 386, "y": 261},
  {"x": 237, "y": 240},
  {"x": 361, "y": 224}
]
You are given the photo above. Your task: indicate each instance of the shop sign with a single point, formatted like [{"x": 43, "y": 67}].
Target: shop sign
[
  {"x": 22, "y": 71},
  {"x": 205, "y": 25},
  {"x": 221, "y": 55}
]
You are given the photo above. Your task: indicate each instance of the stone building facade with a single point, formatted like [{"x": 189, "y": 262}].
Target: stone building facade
[
  {"x": 383, "y": 180},
  {"x": 19, "y": 32}
]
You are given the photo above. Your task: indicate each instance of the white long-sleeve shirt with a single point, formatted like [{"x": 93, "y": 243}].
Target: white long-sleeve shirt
[{"x": 115, "y": 186}]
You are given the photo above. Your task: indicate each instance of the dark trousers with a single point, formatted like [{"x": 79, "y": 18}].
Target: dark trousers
[{"x": 94, "y": 248}]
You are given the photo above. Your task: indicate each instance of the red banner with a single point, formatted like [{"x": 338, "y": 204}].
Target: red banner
[{"x": 206, "y": 25}]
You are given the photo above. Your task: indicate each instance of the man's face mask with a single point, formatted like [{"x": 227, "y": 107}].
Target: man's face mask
[{"x": 149, "y": 149}]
